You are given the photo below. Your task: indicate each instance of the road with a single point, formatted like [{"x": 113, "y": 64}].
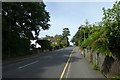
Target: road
[{"x": 52, "y": 65}]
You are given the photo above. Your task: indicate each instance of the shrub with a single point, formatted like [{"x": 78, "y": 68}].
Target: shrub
[{"x": 95, "y": 66}]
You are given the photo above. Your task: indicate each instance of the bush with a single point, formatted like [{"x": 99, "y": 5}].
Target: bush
[
  {"x": 45, "y": 44},
  {"x": 116, "y": 78},
  {"x": 55, "y": 46},
  {"x": 95, "y": 66},
  {"x": 17, "y": 47}
]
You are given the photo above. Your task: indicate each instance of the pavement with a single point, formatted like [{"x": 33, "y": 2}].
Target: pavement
[
  {"x": 51, "y": 65},
  {"x": 79, "y": 67}
]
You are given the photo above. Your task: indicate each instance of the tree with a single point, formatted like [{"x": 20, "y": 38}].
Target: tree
[
  {"x": 47, "y": 37},
  {"x": 66, "y": 32},
  {"x": 19, "y": 20},
  {"x": 58, "y": 38},
  {"x": 65, "y": 35},
  {"x": 111, "y": 22},
  {"x": 79, "y": 36},
  {"x": 103, "y": 37},
  {"x": 82, "y": 34},
  {"x": 45, "y": 44}
]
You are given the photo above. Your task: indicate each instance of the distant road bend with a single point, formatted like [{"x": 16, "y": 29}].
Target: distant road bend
[{"x": 62, "y": 63}]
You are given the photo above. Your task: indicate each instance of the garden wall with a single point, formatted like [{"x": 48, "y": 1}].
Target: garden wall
[{"x": 98, "y": 59}]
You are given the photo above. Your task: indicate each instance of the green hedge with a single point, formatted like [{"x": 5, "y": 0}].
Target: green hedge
[
  {"x": 16, "y": 47},
  {"x": 45, "y": 44}
]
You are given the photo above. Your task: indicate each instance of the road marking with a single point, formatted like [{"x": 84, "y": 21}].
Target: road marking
[
  {"x": 68, "y": 69},
  {"x": 28, "y": 64},
  {"x": 63, "y": 72}
]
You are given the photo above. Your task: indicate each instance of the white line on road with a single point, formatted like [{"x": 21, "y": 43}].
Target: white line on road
[{"x": 28, "y": 64}]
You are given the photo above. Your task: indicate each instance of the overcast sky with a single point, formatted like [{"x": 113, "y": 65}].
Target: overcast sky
[{"x": 72, "y": 14}]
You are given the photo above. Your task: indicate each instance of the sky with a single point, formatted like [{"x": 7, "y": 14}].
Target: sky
[{"x": 72, "y": 14}]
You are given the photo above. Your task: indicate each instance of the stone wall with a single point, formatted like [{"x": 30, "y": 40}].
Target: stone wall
[{"x": 98, "y": 58}]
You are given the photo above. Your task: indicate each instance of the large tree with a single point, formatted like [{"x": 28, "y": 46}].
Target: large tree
[
  {"x": 103, "y": 37},
  {"x": 19, "y": 19},
  {"x": 111, "y": 21},
  {"x": 65, "y": 35}
]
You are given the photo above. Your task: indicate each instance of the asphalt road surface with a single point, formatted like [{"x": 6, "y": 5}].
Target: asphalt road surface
[{"x": 52, "y": 65}]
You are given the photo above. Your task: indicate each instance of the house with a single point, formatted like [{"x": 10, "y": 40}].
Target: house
[{"x": 53, "y": 41}]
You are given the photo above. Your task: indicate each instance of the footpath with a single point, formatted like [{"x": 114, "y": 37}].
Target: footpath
[{"x": 79, "y": 67}]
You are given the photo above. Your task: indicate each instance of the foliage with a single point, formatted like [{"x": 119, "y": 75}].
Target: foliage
[
  {"x": 65, "y": 35},
  {"x": 111, "y": 21},
  {"x": 103, "y": 37},
  {"x": 95, "y": 66},
  {"x": 58, "y": 38},
  {"x": 56, "y": 41},
  {"x": 23, "y": 18},
  {"x": 19, "y": 19},
  {"x": 63, "y": 43},
  {"x": 45, "y": 44},
  {"x": 59, "y": 41},
  {"x": 47, "y": 37},
  {"x": 116, "y": 78},
  {"x": 55, "y": 46},
  {"x": 66, "y": 32},
  {"x": 78, "y": 37}
]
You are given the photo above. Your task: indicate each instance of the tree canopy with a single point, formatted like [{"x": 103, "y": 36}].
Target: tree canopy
[
  {"x": 24, "y": 17},
  {"x": 65, "y": 35},
  {"x": 103, "y": 37},
  {"x": 19, "y": 19}
]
